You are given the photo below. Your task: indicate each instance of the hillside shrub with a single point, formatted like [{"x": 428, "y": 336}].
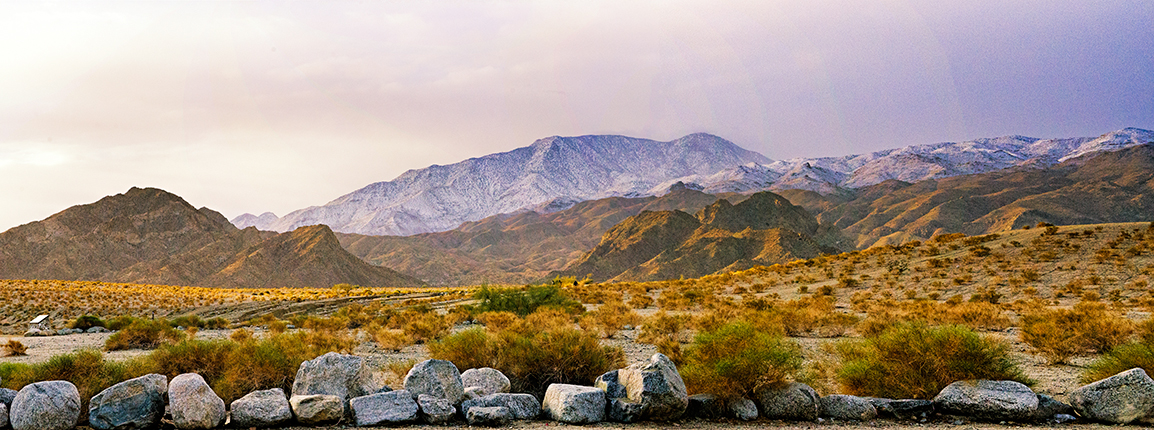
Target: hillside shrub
[
  {"x": 14, "y": 348},
  {"x": 1120, "y": 359},
  {"x": 610, "y": 318},
  {"x": 1059, "y": 334},
  {"x": 143, "y": 334},
  {"x": 86, "y": 322},
  {"x": 523, "y": 301},
  {"x": 914, "y": 360},
  {"x": 737, "y": 360}
]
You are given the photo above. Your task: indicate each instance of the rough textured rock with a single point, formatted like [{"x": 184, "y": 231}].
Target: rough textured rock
[
  {"x": 1048, "y": 408},
  {"x": 437, "y": 378},
  {"x": 742, "y": 409},
  {"x": 843, "y": 407},
  {"x": 490, "y": 380},
  {"x": 50, "y": 405},
  {"x": 705, "y": 406},
  {"x": 490, "y": 416},
  {"x": 133, "y": 404},
  {"x": 6, "y": 397},
  {"x": 4, "y": 416},
  {"x": 317, "y": 408},
  {"x": 435, "y": 410},
  {"x": 522, "y": 406},
  {"x": 97, "y": 329},
  {"x": 988, "y": 400},
  {"x": 341, "y": 375},
  {"x": 623, "y": 410},
  {"x": 574, "y": 404},
  {"x": 194, "y": 405},
  {"x": 795, "y": 401},
  {"x": 393, "y": 407},
  {"x": 265, "y": 408},
  {"x": 473, "y": 393},
  {"x": 904, "y": 409},
  {"x": 657, "y": 386},
  {"x": 611, "y": 384},
  {"x": 1119, "y": 399}
]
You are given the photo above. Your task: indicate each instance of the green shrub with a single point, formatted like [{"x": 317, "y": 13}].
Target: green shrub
[
  {"x": 195, "y": 321},
  {"x": 143, "y": 334},
  {"x": 86, "y": 322},
  {"x": 1120, "y": 359},
  {"x": 913, "y": 360},
  {"x": 86, "y": 369},
  {"x": 737, "y": 360},
  {"x": 120, "y": 322},
  {"x": 525, "y": 300}
]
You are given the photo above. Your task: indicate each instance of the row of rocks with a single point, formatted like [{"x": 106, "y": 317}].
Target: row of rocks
[{"x": 35, "y": 332}]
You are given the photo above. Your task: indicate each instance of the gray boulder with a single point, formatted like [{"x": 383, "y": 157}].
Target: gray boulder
[
  {"x": 393, "y": 407},
  {"x": 705, "y": 406},
  {"x": 35, "y": 333},
  {"x": 490, "y": 380},
  {"x": 903, "y": 409},
  {"x": 611, "y": 384},
  {"x": 657, "y": 386},
  {"x": 6, "y": 397},
  {"x": 489, "y": 416},
  {"x": 623, "y": 410},
  {"x": 435, "y": 410},
  {"x": 341, "y": 375},
  {"x": 194, "y": 405},
  {"x": 50, "y": 405},
  {"x": 795, "y": 401},
  {"x": 265, "y": 408},
  {"x": 317, "y": 409},
  {"x": 574, "y": 404},
  {"x": 522, "y": 406},
  {"x": 4, "y": 416},
  {"x": 97, "y": 329},
  {"x": 437, "y": 378},
  {"x": 850, "y": 408},
  {"x": 473, "y": 393},
  {"x": 742, "y": 409},
  {"x": 988, "y": 400},
  {"x": 137, "y": 403},
  {"x": 1119, "y": 399},
  {"x": 1049, "y": 408}
]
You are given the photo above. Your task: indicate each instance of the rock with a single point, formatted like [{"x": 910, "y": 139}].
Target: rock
[
  {"x": 97, "y": 329},
  {"x": 490, "y": 416},
  {"x": 265, "y": 408},
  {"x": 1048, "y": 408},
  {"x": 574, "y": 404},
  {"x": 137, "y": 403},
  {"x": 1063, "y": 418},
  {"x": 341, "y": 375},
  {"x": 473, "y": 393},
  {"x": 657, "y": 386},
  {"x": 437, "y": 378},
  {"x": 904, "y": 409},
  {"x": 490, "y": 380},
  {"x": 317, "y": 408},
  {"x": 435, "y": 410},
  {"x": 522, "y": 406},
  {"x": 795, "y": 401},
  {"x": 393, "y": 407},
  {"x": 610, "y": 383},
  {"x": 623, "y": 410},
  {"x": 988, "y": 400},
  {"x": 843, "y": 407},
  {"x": 50, "y": 405},
  {"x": 194, "y": 404},
  {"x": 742, "y": 409},
  {"x": 35, "y": 333},
  {"x": 1119, "y": 399},
  {"x": 6, "y": 397},
  {"x": 705, "y": 406},
  {"x": 4, "y": 416}
]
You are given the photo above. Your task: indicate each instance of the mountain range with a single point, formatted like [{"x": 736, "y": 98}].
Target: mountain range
[{"x": 557, "y": 172}]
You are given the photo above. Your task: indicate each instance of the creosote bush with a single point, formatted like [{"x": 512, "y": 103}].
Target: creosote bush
[
  {"x": 1059, "y": 334},
  {"x": 914, "y": 360},
  {"x": 737, "y": 360},
  {"x": 143, "y": 334},
  {"x": 1120, "y": 359},
  {"x": 524, "y": 301},
  {"x": 86, "y": 322}
]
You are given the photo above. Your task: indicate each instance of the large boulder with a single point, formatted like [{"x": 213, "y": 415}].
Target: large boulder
[
  {"x": 317, "y": 409},
  {"x": 522, "y": 406},
  {"x": 742, "y": 409},
  {"x": 657, "y": 386},
  {"x": 706, "y": 406},
  {"x": 489, "y": 416},
  {"x": 488, "y": 379},
  {"x": 50, "y": 405},
  {"x": 437, "y": 378},
  {"x": 988, "y": 400},
  {"x": 341, "y": 375},
  {"x": 611, "y": 384},
  {"x": 194, "y": 405},
  {"x": 4, "y": 416},
  {"x": 6, "y": 397},
  {"x": 574, "y": 404},
  {"x": 795, "y": 401},
  {"x": 845, "y": 407},
  {"x": 265, "y": 408},
  {"x": 1119, "y": 399},
  {"x": 1049, "y": 408},
  {"x": 393, "y": 407},
  {"x": 137, "y": 403},
  {"x": 903, "y": 409},
  {"x": 435, "y": 410}
]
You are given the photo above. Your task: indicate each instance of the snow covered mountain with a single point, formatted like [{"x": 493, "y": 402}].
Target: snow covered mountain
[{"x": 556, "y": 172}]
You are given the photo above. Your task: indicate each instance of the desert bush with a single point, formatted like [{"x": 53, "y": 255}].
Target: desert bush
[
  {"x": 14, "y": 348},
  {"x": 467, "y": 349},
  {"x": 1120, "y": 359},
  {"x": 86, "y": 369},
  {"x": 525, "y": 300},
  {"x": 143, "y": 334},
  {"x": 608, "y": 319},
  {"x": 1059, "y": 334},
  {"x": 389, "y": 339},
  {"x": 737, "y": 360},
  {"x": 498, "y": 321},
  {"x": 914, "y": 360},
  {"x": 195, "y": 321},
  {"x": 640, "y": 301},
  {"x": 980, "y": 315},
  {"x": 662, "y": 326},
  {"x": 86, "y": 322},
  {"x": 427, "y": 327},
  {"x": 120, "y": 322}
]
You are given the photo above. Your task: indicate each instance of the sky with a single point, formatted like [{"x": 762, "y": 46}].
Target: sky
[{"x": 275, "y": 106}]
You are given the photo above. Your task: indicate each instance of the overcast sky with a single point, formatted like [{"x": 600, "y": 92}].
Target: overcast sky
[{"x": 275, "y": 106}]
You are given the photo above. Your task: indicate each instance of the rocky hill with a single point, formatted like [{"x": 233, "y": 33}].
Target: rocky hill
[
  {"x": 655, "y": 245},
  {"x": 152, "y": 236}
]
